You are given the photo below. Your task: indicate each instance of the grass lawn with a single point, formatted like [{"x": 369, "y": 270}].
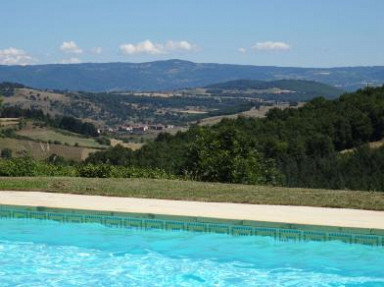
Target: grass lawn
[{"x": 198, "y": 191}]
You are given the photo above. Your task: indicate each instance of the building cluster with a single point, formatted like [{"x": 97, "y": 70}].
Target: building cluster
[{"x": 140, "y": 129}]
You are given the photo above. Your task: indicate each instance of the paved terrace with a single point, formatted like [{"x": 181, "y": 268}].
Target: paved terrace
[{"x": 271, "y": 213}]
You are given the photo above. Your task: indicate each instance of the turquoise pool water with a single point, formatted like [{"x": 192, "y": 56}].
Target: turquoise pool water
[{"x": 48, "y": 253}]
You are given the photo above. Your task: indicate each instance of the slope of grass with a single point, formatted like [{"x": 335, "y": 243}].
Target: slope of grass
[
  {"x": 198, "y": 191},
  {"x": 49, "y": 134},
  {"x": 300, "y": 86},
  {"x": 42, "y": 151}
]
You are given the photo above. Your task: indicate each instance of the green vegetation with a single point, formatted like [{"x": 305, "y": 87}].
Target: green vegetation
[
  {"x": 29, "y": 167},
  {"x": 58, "y": 166},
  {"x": 293, "y": 147},
  {"x": 6, "y": 153},
  {"x": 42, "y": 150},
  {"x": 189, "y": 190},
  {"x": 62, "y": 122},
  {"x": 7, "y": 89},
  {"x": 301, "y": 147},
  {"x": 228, "y": 111},
  {"x": 291, "y": 90},
  {"x": 34, "y": 133},
  {"x": 115, "y": 108},
  {"x": 57, "y": 136}
]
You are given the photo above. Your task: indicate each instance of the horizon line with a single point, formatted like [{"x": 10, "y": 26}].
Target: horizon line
[{"x": 202, "y": 63}]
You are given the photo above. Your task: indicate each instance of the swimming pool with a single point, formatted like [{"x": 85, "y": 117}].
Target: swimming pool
[{"x": 49, "y": 252}]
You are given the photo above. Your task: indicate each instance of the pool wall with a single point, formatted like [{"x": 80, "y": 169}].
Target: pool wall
[{"x": 279, "y": 231}]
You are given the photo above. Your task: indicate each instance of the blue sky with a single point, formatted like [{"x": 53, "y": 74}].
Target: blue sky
[{"x": 301, "y": 33}]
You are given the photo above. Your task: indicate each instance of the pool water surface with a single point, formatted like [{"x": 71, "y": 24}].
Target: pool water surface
[{"x": 48, "y": 253}]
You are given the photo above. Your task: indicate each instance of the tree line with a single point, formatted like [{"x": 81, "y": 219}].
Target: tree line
[
  {"x": 324, "y": 144},
  {"x": 293, "y": 147},
  {"x": 62, "y": 122}
]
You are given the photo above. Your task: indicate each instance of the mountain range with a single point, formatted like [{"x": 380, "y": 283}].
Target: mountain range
[{"x": 177, "y": 74}]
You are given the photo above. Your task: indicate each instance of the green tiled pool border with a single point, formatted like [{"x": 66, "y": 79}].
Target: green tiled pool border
[{"x": 280, "y": 231}]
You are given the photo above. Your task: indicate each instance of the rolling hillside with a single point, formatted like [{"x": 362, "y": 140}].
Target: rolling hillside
[
  {"x": 30, "y": 138},
  {"x": 178, "y": 107},
  {"x": 283, "y": 90}
]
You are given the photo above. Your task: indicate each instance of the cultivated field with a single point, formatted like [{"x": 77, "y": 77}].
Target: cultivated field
[
  {"x": 132, "y": 146},
  {"x": 253, "y": 113},
  {"x": 43, "y": 150},
  {"x": 64, "y": 137},
  {"x": 9, "y": 122}
]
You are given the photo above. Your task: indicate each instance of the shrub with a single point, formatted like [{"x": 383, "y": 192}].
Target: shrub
[
  {"x": 90, "y": 170},
  {"x": 139, "y": 172},
  {"x": 103, "y": 141},
  {"x": 29, "y": 167},
  {"x": 106, "y": 170},
  {"x": 6, "y": 153}
]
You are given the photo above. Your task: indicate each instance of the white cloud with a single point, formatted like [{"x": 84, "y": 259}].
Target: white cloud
[
  {"x": 13, "y": 56},
  {"x": 271, "y": 46},
  {"x": 97, "y": 50},
  {"x": 70, "y": 47},
  {"x": 72, "y": 60},
  {"x": 182, "y": 45},
  {"x": 148, "y": 47},
  {"x": 242, "y": 50}
]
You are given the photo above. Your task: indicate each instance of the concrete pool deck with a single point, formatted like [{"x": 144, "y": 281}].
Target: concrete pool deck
[{"x": 269, "y": 213}]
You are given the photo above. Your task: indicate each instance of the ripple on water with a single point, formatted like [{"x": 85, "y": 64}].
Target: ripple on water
[{"x": 94, "y": 255}]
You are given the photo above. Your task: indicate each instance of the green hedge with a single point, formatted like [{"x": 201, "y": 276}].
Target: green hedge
[
  {"x": 30, "y": 167},
  {"x": 106, "y": 170}
]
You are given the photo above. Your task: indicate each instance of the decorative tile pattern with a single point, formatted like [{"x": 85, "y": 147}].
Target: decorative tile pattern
[
  {"x": 4, "y": 213},
  {"x": 196, "y": 227},
  {"x": 242, "y": 230},
  {"x": 289, "y": 235},
  {"x": 73, "y": 218},
  {"x": 368, "y": 240},
  {"x": 153, "y": 224},
  {"x": 37, "y": 215},
  {"x": 279, "y": 231},
  {"x": 20, "y": 214},
  {"x": 261, "y": 231},
  {"x": 113, "y": 221},
  {"x": 133, "y": 223},
  {"x": 347, "y": 238},
  {"x": 314, "y": 236},
  {"x": 93, "y": 219},
  {"x": 174, "y": 225},
  {"x": 56, "y": 217},
  {"x": 219, "y": 228}
]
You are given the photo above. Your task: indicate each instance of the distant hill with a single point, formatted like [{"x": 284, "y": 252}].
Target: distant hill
[
  {"x": 116, "y": 108},
  {"x": 176, "y": 108},
  {"x": 176, "y": 74},
  {"x": 300, "y": 90}
]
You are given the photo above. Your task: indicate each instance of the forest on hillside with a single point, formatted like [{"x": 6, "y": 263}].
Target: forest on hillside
[
  {"x": 322, "y": 145},
  {"x": 180, "y": 107}
]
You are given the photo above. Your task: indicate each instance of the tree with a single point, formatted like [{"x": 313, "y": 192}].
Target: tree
[
  {"x": 228, "y": 156},
  {"x": 6, "y": 153}
]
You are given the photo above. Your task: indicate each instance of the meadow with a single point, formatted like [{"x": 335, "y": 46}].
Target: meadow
[{"x": 198, "y": 191}]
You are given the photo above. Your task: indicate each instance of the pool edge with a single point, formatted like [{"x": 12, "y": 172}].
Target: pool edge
[{"x": 281, "y": 231}]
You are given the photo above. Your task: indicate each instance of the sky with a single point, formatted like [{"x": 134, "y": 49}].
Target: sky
[{"x": 294, "y": 33}]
